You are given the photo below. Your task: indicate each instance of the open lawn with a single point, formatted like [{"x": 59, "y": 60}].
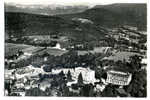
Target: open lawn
[{"x": 11, "y": 49}]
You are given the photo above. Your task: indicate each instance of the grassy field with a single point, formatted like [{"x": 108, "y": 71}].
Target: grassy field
[{"x": 11, "y": 49}]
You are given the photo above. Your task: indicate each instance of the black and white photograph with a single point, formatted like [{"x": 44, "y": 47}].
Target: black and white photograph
[{"x": 70, "y": 48}]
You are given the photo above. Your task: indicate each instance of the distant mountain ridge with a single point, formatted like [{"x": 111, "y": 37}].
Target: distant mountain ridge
[
  {"x": 115, "y": 15},
  {"x": 45, "y": 9}
]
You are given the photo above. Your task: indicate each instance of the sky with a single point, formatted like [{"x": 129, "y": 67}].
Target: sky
[{"x": 71, "y": 2}]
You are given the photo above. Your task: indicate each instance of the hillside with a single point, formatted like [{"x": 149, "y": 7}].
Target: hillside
[
  {"x": 115, "y": 15},
  {"x": 31, "y": 24},
  {"x": 85, "y": 26}
]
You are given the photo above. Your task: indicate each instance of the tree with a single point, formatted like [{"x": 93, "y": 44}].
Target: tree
[
  {"x": 69, "y": 77},
  {"x": 40, "y": 77},
  {"x": 80, "y": 79},
  {"x": 35, "y": 92},
  {"x": 47, "y": 68},
  {"x": 135, "y": 63},
  {"x": 8, "y": 87},
  {"x": 138, "y": 85},
  {"x": 109, "y": 91},
  {"x": 66, "y": 91},
  {"x": 48, "y": 91},
  {"x": 62, "y": 74},
  {"x": 87, "y": 90},
  {"x": 20, "y": 52},
  {"x": 98, "y": 73}
]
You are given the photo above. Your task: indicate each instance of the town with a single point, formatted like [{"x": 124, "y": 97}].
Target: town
[{"x": 58, "y": 65}]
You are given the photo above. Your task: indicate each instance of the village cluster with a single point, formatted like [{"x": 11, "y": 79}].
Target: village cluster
[{"x": 112, "y": 67}]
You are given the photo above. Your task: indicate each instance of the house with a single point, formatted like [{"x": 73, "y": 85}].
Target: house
[
  {"x": 118, "y": 78},
  {"x": 144, "y": 63},
  {"x": 129, "y": 27},
  {"x": 100, "y": 87},
  {"x": 14, "y": 39},
  {"x": 18, "y": 91},
  {"x": 58, "y": 46},
  {"x": 19, "y": 84},
  {"x": 12, "y": 65}
]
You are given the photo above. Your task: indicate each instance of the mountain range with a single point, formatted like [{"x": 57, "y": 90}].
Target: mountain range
[
  {"x": 115, "y": 15},
  {"x": 86, "y": 24},
  {"x": 45, "y": 9}
]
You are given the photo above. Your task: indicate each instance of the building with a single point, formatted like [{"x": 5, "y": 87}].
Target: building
[
  {"x": 118, "y": 78},
  {"x": 130, "y": 27},
  {"x": 9, "y": 74},
  {"x": 18, "y": 91},
  {"x": 87, "y": 74},
  {"x": 102, "y": 50}
]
